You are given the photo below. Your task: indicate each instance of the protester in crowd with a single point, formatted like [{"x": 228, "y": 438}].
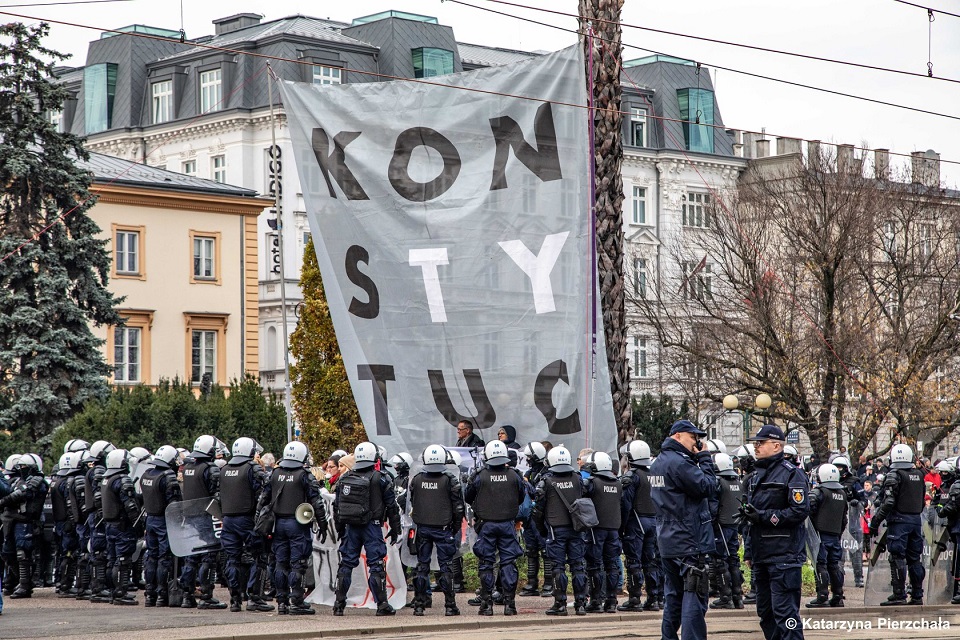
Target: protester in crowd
[
  {"x": 465, "y": 435},
  {"x": 508, "y": 436},
  {"x": 269, "y": 461}
]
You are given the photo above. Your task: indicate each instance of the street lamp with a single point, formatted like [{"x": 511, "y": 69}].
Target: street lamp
[{"x": 761, "y": 403}]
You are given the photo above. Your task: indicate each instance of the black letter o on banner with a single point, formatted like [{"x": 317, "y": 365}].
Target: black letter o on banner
[{"x": 400, "y": 163}]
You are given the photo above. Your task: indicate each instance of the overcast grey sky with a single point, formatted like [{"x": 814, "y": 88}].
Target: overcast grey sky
[{"x": 877, "y": 32}]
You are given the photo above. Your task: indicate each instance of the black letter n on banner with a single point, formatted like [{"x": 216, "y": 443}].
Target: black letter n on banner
[
  {"x": 336, "y": 163},
  {"x": 486, "y": 414},
  {"x": 379, "y": 374},
  {"x": 544, "y": 161}
]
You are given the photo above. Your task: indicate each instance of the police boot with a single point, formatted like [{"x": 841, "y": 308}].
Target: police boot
[
  {"x": 533, "y": 575},
  {"x": 236, "y": 602},
  {"x": 580, "y": 606},
  {"x": 559, "y": 607},
  {"x": 596, "y": 592},
  {"x": 83, "y": 580},
  {"x": 898, "y": 578},
  {"x": 120, "y": 593},
  {"x": 283, "y": 605},
  {"x": 150, "y": 598},
  {"x": 25, "y": 567},
  {"x": 737, "y": 600},
  {"x": 751, "y": 597},
  {"x": 189, "y": 600},
  {"x": 956, "y": 591},
  {"x": 256, "y": 601},
  {"x": 820, "y": 602},
  {"x": 67, "y": 578},
  {"x": 457, "y": 565},
  {"x": 449, "y": 597},
  {"x": 486, "y": 605},
  {"x": 207, "y": 601},
  {"x": 98, "y": 582},
  {"x": 836, "y": 600},
  {"x": 633, "y": 592},
  {"x": 509, "y": 605},
  {"x": 380, "y": 594},
  {"x": 547, "y": 590},
  {"x": 340, "y": 594}
]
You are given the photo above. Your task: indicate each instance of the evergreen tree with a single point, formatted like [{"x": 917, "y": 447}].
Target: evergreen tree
[
  {"x": 322, "y": 397},
  {"x": 652, "y": 418},
  {"x": 53, "y": 269}
]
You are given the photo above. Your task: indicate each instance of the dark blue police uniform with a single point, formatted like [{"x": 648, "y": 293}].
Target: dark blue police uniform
[
  {"x": 949, "y": 508},
  {"x": 564, "y": 544},
  {"x": 682, "y": 484},
  {"x": 159, "y": 488},
  {"x": 603, "y": 546},
  {"x": 241, "y": 482},
  {"x": 120, "y": 512},
  {"x": 201, "y": 479},
  {"x": 534, "y": 545},
  {"x": 828, "y": 514}
]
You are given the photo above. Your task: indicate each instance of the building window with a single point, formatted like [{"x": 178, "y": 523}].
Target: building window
[
  {"x": 56, "y": 119},
  {"x": 99, "y": 89},
  {"x": 190, "y": 168},
  {"x": 218, "y": 168},
  {"x": 639, "y": 205},
  {"x": 697, "y": 281},
  {"x": 205, "y": 257},
  {"x": 890, "y": 237},
  {"x": 696, "y": 112},
  {"x": 162, "y": 101},
  {"x": 429, "y": 62},
  {"x": 205, "y": 348},
  {"x": 203, "y": 355},
  {"x": 638, "y": 127},
  {"x": 639, "y": 357},
  {"x": 695, "y": 209},
  {"x": 640, "y": 271},
  {"x": 126, "y": 354},
  {"x": 127, "y": 253},
  {"x": 326, "y": 75},
  {"x": 211, "y": 90},
  {"x": 926, "y": 240}
]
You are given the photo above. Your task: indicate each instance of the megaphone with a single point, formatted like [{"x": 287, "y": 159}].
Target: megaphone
[{"x": 304, "y": 513}]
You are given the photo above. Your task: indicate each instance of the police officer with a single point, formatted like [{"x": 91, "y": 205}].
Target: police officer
[
  {"x": 533, "y": 542},
  {"x": 903, "y": 500},
  {"x": 727, "y": 559},
  {"x": 364, "y": 499},
  {"x": 9, "y": 551},
  {"x": 496, "y": 493},
  {"x": 437, "y": 511},
  {"x": 639, "y": 526},
  {"x": 603, "y": 545},
  {"x": 121, "y": 513},
  {"x": 682, "y": 481},
  {"x": 400, "y": 464},
  {"x": 159, "y": 488},
  {"x": 23, "y": 508},
  {"x": 856, "y": 502},
  {"x": 560, "y": 486},
  {"x": 241, "y": 481},
  {"x": 66, "y": 515},
  {"x": 96, "y": 528},
  {"x": 949, "y": 507},
  {"x": 828, "y": 514},
  {"x": 201, "y": 480},
  {"x": 776, "y": 507},
  {"x": 744, "y": 459},
  {"x": 291, "y": 485}
]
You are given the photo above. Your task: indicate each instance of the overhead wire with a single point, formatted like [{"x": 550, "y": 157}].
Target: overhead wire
[
  {"x": 926, "y": 8},
  {"x": 51, "y": 4}
]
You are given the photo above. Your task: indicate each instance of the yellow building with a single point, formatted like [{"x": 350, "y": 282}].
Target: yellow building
[{"x": 185, "y": 261}]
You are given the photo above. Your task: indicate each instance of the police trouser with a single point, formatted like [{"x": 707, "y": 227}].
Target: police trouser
[
  {"x": 602, "y": 555},
  {"x": 565, "y": 547},
  {"x": 428, "y": 538},
  {"x": 727, "y": 562},
  {"x": 159, "y": 559},
  {"x": 8, "y": 550},
  {"x": 829, "y": 565},
  {"x": 640, "y": 549},
  {"x": 69, "y": 549},
  {"x": 493, "y": 538},
  {"x": 368, "y": 537},
  {"x": 241, "y": 546},
  {"x": 533, "y": 547},
  {"x": 121, "y": 544},
  {"x": 292, "y": 547},
  {"x": 19, "y": 542},
  {"x": 778, "y": 600},
  {"x": 198, "y": 569},
  {"x": 905, "y": 545},
  {"x": 684, "y": 606},
  {"x": 99, "y": 576},
  {"x": 83, "y": 558}
]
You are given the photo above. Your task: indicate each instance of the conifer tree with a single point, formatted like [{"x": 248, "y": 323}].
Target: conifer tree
[{"x": 53, "y": 268}]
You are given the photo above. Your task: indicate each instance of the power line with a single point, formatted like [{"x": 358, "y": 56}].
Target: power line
[
  {"x": 928, "y": 9},
  {"x": 730, "y": 69},
  {"x": 50, "y": 4},
  {"x": 730, "y": 43}
]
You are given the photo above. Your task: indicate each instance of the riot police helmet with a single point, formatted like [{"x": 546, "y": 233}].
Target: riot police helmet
[
  {"x": 495, "y": 454},
  {"x": 165, "y": 456},
  {"x": 715, "y": 446},
  {"x": 244, "y": 449},
  {"x": 901, "y": 457},
  {"x": 829, "y": 476},
  {"x": 842, "y": 463},
  {"x": 204, "y": 447},
  {"x": 294, "y": 455},
  {"x": 99, "y": 449},
  {"x": 535, "y": 453},
  {"x": 403, "y": 461},
  {"x": 11, "y": 461},
  {"x": 118, "y": 459},
  {"x": 434, "y": 459},
  {"x": 365, "y": 456},
  {"x": 599, "y": 463},
  {"x": 724, "y": 464},
  {"x": 76, "y": 444},
  {"x": 30, "y": 461},
  {"x": 638, "y": 453},
  {"x": 559, "y": 460},
  {"x": 62, "y": 468}
]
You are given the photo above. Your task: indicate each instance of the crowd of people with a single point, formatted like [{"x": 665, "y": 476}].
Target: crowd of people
[{"x": 667, "y": 531}]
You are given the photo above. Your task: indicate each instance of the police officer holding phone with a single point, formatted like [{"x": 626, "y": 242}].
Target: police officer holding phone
[{"x": 682, "y": 481}]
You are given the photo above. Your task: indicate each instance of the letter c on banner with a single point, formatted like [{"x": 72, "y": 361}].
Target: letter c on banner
[
  {"x": 543, "y": 398},
  {"x": 399, "y": 171}
]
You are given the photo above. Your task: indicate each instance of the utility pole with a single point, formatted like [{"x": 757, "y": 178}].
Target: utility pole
[{"x": 601, "y": 30}]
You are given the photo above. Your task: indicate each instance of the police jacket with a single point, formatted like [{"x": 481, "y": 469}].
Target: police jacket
[
  {"x": 201, "y": 478},
  {"x": 92, "y": 482},
  {"x": 605, "y": 493},
  {"x": 73, "y": 493},
  {"x": 728, "y": 501},
  {"x": 903, "y": 493},
  {"x": 25, "y": 502},
  {"x": 436, "y": 500},
  {"x": 119, "y": 497},
  {"x": 636, "y": 500},
  {"x": 58, "y": 498},
  {"x": 681, "y": 486},
  {"x": 828, "y": 509},
  {"x": 853, "y": 490},
  {"x": 495, "y": 493},
  {"x": 549, "y": 509},
  {"x": 159, "y": 488},
  {"x": 778, "y": 491},
  {"x": 949, "y": 507},
  {"x": 292, "y": 486},
  {"x": 534, "y": 473},
  {"x": 383, "y": 497},
  {"x": 240, "y": 487}
]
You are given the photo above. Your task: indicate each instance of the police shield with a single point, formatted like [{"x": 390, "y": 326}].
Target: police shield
[
  {"x": 877, "y": 584},
  {"x": 939, "y": 586},
  {"x": 812, "y": 542},
  {"x": 192, "y": 527},
  {"x": 851, "y": 542}
]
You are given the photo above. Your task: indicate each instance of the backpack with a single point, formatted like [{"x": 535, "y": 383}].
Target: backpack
[{"x": 353, "y": 503}]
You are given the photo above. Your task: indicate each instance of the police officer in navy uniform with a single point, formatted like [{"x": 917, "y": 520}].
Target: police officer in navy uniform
[
  {"x": 121, "y": 513},
  {"x": 159, "y": 489},
  {"x": 496, "y": 493},
  {"x": 564, "y": 544},
  {"x": 241, "y": 482},
  {"x": 292, "y": 485},
  {"x": 365, "y": 498},
  {"x": 639, "y": 527},
  {"x": 603, "y": 547},
  {"x": 727, "y": 560},
  {"x": 776, "y": 508},
  {"x": 683, "y": 481},
  {"x": 828, "y": 514},
  {"x": 437, "y": 511},
  {"x": 65, "y": 529},
  {"x": 903, "y": 492},
  {"x": 96, "y": 528},
  {"x": 533, "y": 543},
  {"x": 201, "y": 479},
  {"x": 948, "y": 506},
  {"x": 23, "y": 508}
]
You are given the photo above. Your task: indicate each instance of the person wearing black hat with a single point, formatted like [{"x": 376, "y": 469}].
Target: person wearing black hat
[
  {"x": 683, "y": 481},
  {"x": 775, "y": 509}
]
